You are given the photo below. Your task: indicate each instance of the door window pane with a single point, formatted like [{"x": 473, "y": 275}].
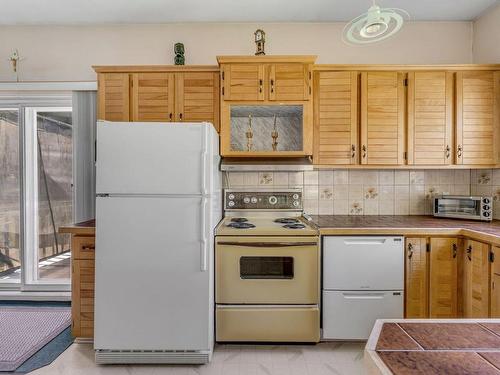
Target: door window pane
[
  {"x": 10, "y": 257},
  {"x": 55, "y": 196}
]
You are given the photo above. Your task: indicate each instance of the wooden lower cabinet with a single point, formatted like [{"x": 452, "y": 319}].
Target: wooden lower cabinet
[
  {"x": 476, "y": 279},
  {"x": 443, "y": 278},
  {"x": 82, "y": 286},
  {"x": 417, "y": 278},
  {"x": 495, "y": 282}
]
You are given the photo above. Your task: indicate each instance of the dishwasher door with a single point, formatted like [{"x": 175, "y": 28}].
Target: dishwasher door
[{"x": 363, "y": 263}]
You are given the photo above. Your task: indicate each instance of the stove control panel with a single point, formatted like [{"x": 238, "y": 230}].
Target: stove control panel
[{"x": 276, "y": 200}]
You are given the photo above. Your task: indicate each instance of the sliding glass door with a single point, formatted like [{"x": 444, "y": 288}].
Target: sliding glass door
[{"x": 36, "y": 197}]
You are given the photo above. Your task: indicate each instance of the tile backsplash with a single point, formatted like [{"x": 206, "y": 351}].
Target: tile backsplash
[{"x": 375, "y": 192}]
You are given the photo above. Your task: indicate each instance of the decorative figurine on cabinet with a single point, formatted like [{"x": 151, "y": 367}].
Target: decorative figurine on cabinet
[
  {"x": 260, "y": 39},
  {"x": 179, "y": 54}
]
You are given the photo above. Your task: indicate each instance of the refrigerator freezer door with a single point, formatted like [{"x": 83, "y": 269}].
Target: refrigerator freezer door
[
  {"x": 156, "y": 158},
  {"x": 153, "y": 278},
  {"x": 351, "y": 315},
  {"x": 363, "y": 263}
]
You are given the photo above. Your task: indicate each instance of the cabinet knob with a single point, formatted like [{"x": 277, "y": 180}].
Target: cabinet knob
[
  {"x": 353, "y": 151},
  {"x": 447, "y": 151},
  {"x": 459, "y": 151},
  {"x": 272, "y": 86},
  {"x": 170, "y": 116},
  {"x": 180, "y": 116},
  {"x": 364, "y": 151},
  {"x": 454, "y": 250},
  {"x": 469, "y": 252},
  {"x": 410, "y": 250}
]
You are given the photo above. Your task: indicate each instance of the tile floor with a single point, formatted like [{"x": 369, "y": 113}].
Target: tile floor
[{"x": 321, "y": 359}]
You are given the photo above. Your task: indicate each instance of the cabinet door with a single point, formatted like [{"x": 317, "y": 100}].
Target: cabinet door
[
  {"x": 336, "y": 118},
  {"x": 153, "y": 97},
  {"x": 82, "y": 297},
  {"x": 495, "y": 283},
  {"x": 443, "y": 278},
  {"x": 243, "y": 82},
  {"x": 477, "y": 117},
  {"x": 382, "y": 118},
  {"x": 476, "y": 280},
  {"x": 430, "y": 118},
  {"x": 113, "y": 96},
  {"x": 290, "y": 82},
  {"x": 197, "y": 97},
  {"x": 416, "y": 289}
]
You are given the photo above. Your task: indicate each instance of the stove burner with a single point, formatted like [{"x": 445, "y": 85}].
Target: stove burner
[
  {"x": 241, "y": 225},
  {"x": 239, "y": 219},
  {"x": 294, "y": 226},
  {"x": 287, "y": 220}
]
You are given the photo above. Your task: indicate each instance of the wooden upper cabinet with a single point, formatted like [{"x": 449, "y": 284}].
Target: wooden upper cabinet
[
  {"x": 495, "y": 283},
  {"x": 243, "y": 82},
  {"x": 443, "y": 284},
  {"x": 290, "y": 82},
  {"x": 336, "y": 118},
  {"x": 197, "y": 97},
  {"x": 430, "y": 118},
  {"x": 113, "y": 97},
  {"x": 153, "y": 97},
  {"x": 476, "y": 279},
  {"x": 478, "y": 138},
  {"x": 382, "y": 118},
  {"x": 416, "y": 280}
]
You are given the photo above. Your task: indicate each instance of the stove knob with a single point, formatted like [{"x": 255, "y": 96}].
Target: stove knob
[
  {"x": 231, "y": 204},
  {"x": 273, "y": 199},
  {"x": 231, "y": 196},
  {"x": 246, "y": 200},
  {"x": 296, "y": 203},
  {"x": 254, "y": 200},
  {"x": 295, "y": 196}
]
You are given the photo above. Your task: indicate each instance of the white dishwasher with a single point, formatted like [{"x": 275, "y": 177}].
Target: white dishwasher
[{"x": 363, "y": 280}]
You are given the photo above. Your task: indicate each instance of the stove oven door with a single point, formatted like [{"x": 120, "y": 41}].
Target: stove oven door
[{"x": 267, "y": 270}]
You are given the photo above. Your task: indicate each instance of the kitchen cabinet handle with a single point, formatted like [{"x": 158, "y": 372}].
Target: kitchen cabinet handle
[
  {"x": 170, "y": 116},
  {"x": 410, "y": 250},
  {"x": 353, "y": 151},
  {"x": 469, "y": 252},
  {"x": 180, "y": 116},
  {"x": 459, "y": 151},
  {"x": 447, "y": 151},
  {"x": 88, "y": 248},
  {"x": 272, "y": 86},
  {"x": 454, "y": 250},
  {"x": 267, "y": 244},
  {"x": 364, "y": 151},
  {"x": 260, "y": 85}
]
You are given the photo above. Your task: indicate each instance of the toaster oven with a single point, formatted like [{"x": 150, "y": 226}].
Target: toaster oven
[{"x": 464, "y": 207}]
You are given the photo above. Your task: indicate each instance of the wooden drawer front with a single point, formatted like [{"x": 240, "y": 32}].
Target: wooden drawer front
[
  {"x": 382, "y": 118},
  {"x": 336, "y": 117},
  {"x": 82, "y": 301},
  {"x": 83, "y": 247},
  {"x": 153, "y": 96},
  {"x": 289, "y": 82},
  {"x": 243, "y": 82},
  {"x": 477, "y": 117},
  {"x": 416, "y": 292},
  {"x": 430, "y": 118},
  {"x": 114, "y": 97},
  {"x": 197, "y": 97}
]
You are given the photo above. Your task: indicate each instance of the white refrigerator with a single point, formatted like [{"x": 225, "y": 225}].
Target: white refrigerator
[{"x": 158, "y": 201}]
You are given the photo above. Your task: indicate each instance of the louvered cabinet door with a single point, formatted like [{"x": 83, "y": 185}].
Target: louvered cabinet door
[
  {"x": 495, "y": 283},
  {"x": 243, "y": 82},
  {"x": 197, "y": 97},
  {"x": 336, "y": 118},
  {"x": 290, "y": 82},
  {"x": 416, "y": 279},
  {"x": 476, "y": 280},
  {"x": 430, "y": 118},
  {"x": 443, "y": 284},
  {"x": 382, "y": 118},
  {"x": 478, "y": 115},
  {"x": 153, "y": 97},
  {"x": 113, "y": 97}
]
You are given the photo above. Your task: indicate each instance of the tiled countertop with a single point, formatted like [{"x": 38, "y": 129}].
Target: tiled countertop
[
  {"x": 435, "y": 347},
  {"x": 407, "y": 225},
  {"x": 82, "y": 228}
]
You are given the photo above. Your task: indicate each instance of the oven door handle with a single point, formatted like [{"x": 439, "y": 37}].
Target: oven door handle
[{"x": 267, "y": 244}]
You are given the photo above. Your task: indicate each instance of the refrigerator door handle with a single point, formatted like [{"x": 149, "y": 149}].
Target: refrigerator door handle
[{"x": 203, "y": 241}]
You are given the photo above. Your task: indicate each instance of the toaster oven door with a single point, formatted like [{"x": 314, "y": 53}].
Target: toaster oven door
[{"x": 457, "y": 207}]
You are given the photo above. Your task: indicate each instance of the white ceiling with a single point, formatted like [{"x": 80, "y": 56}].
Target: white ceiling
[{"x": 14, "y": 12}]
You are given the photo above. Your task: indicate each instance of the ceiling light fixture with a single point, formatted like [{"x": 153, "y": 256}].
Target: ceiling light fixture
[{"x": 375, "y": 25}]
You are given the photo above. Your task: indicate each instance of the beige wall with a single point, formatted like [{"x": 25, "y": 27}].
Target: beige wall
[
  {"x": 487, "y": 37},
  {"x": 66, "y": 53}
]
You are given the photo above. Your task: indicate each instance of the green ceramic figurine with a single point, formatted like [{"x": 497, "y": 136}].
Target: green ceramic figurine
[{"x": 179, "y": 54}]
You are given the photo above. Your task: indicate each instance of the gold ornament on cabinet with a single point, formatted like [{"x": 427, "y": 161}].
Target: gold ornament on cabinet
[{"x": 260, "y": 40}]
